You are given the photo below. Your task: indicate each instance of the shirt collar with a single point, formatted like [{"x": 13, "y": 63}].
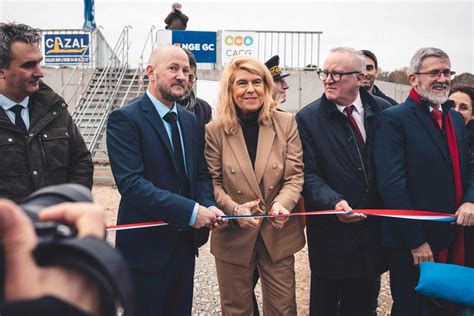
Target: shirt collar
[
  {"x": 7, "y": 104},
  {"x": 160, "y": 107},
  {"x": 357, "y": 105}
]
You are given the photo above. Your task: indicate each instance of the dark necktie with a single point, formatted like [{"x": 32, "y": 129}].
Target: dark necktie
[
  {"x": 171, "y": 118},
  {"x": 438, "y": 115},
  {"x": 349, "y": 109},
  {"x": 18, "y": 119}
]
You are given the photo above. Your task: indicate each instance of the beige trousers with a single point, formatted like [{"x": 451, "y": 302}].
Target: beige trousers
[{"x": 278, "y": 284}]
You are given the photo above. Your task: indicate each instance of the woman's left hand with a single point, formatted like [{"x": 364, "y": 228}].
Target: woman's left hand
[{"x": 278, "y": 222}]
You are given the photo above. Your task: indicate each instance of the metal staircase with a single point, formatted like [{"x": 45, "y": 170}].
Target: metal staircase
[{"x": 108, "y": 88}]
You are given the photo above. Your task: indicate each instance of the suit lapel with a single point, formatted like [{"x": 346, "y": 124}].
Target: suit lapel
[
  {"x": 428, "y": 124},
  {"x": 154, "y": 119},
  {"x": 266, "y": 134},
  {"x": 239, "y": 149}
]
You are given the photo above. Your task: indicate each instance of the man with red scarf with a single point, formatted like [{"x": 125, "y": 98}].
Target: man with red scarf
[{"x": 422, "y": 162}]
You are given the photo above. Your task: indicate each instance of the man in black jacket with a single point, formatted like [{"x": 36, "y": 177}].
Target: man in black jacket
[
  {"x": 337, "y": 132},
  {"x": 371, "y": 71},
  {"x": 191, "y": 102},
  {"x": 39, "y": 142}
]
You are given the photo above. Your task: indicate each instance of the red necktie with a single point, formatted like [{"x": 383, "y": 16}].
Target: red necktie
[
  {"x": 439, "y": 117},
  {"x": 349, "y": 109}
]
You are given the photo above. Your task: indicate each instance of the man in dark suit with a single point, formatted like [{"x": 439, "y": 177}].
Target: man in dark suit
[
  {"x": 156, "y": 155},
  {"x": 422, "y": 163},
  {"x": 337, "y": 132}
]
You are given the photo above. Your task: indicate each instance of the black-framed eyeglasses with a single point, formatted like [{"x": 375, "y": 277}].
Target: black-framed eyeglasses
[
  {"x": 437, "y": 73},
  {"x": 335, "y": 76},
  {"x": 192, "y": 78}
]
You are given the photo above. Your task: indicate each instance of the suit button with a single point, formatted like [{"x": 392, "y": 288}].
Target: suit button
[
  {"x": 274, "y": 166},
  {"x": 232, "y": 171},
  {"x": 271, "y": 187},
  {"x": 360, "y": 169},
  {"x": 35, "y": 173},
  {"x": 239, "y": 192},
  {"x": 10, "y": 140},
  {"x": 31, "y": 135},
  {"x": 45, "y": 136}
]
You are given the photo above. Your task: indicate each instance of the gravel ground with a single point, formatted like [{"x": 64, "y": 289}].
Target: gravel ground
[{"x": 206, "y": 290}]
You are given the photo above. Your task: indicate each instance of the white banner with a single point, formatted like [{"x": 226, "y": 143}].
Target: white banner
[{"x": 238, "y": 44}]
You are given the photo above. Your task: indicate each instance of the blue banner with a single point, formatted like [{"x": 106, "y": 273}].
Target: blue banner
[
  {"x": 89, "y": 15},
  {"x": 202, "y": 44},
  {"x": 69, "y": 49}
]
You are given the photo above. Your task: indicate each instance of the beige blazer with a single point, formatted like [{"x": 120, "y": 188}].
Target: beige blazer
[{"x": 278, "y": 176}]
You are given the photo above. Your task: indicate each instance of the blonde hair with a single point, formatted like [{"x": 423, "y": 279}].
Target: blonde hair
[{"x": 226, "y": 108}]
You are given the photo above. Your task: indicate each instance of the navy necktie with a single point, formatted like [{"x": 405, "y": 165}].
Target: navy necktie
[
  {"x": 171, "y": 118},
  {"x": 18, "y": 119}
]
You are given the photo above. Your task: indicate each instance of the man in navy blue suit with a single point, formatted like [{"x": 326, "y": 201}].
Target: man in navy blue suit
[
  {"x": 422, "y": 162},
  {"x": 156, "y": 155}
]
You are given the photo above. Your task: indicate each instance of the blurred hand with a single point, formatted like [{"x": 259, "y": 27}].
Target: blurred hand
[
  {"x": 24, "y": 280},
  {"x": 279, "y": 222},
  {"x": 205, "y": 217},
  {"x": 465, "y": 214},
  {"x": 422, "y": 253},
  {"x": 349, "y": 217},
  {"x": 246, "y": 209},
  {"x": 220, "y": 221}
]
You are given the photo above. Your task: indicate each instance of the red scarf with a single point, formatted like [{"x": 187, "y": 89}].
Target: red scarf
[{"x": 457, "y": 251}]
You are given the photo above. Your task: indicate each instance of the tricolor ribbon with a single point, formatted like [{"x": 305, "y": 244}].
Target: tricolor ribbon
[{"x": 403, "y": 214}]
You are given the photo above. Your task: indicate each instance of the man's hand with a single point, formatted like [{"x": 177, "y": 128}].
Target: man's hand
[
  {"x": 279, "y": 222},
  {"x": 205, "y": 217},
  {"x": 246, "y": 209},
  {"x": 465, "y": 214},
  {"x": 24, "y": 280},
  {"x": 349, "y": 217},
  {"x": 422, "y": 253},
  {"x": 220, "y": 221}
]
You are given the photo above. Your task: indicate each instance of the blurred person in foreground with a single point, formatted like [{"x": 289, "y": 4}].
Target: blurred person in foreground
[
  {"x": 47, "y": 290},
  {"x": 422, "y": 162},
  {"x": 255, "y": 159}
]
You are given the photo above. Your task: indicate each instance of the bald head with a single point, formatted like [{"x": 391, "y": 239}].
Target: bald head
[
  {"x": 168, "y": 73},
  {"x": 167, "y": 51}
]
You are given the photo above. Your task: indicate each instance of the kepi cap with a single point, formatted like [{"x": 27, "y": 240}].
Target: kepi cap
[{"x": 275, "y": 70}]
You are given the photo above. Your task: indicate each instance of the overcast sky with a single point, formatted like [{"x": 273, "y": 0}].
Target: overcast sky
[{"x": 393, "y": 30}]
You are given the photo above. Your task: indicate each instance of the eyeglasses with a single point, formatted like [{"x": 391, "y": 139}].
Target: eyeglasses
[
  {"x": 437, "y": 73},
  {"x": 192, "y": 78},
  {"x": 335, "y": 76}
]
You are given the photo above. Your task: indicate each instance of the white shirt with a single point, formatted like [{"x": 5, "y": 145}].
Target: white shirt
[
  {"x": 7, "y": 104},
  {"x": 357, "y": 114}
]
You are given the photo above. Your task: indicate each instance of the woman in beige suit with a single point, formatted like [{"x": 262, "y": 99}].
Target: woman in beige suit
[{"x": 255, "y": 158}]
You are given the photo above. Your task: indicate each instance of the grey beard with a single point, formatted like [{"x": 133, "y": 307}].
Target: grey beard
[{"x": 433, "y": 98}]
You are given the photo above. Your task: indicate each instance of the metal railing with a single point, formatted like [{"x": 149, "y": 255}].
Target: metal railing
[
  {"x": 97, "y": 101},
  {"x": 297, "y": 49},
  {"x": 151, "y": 41}
]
